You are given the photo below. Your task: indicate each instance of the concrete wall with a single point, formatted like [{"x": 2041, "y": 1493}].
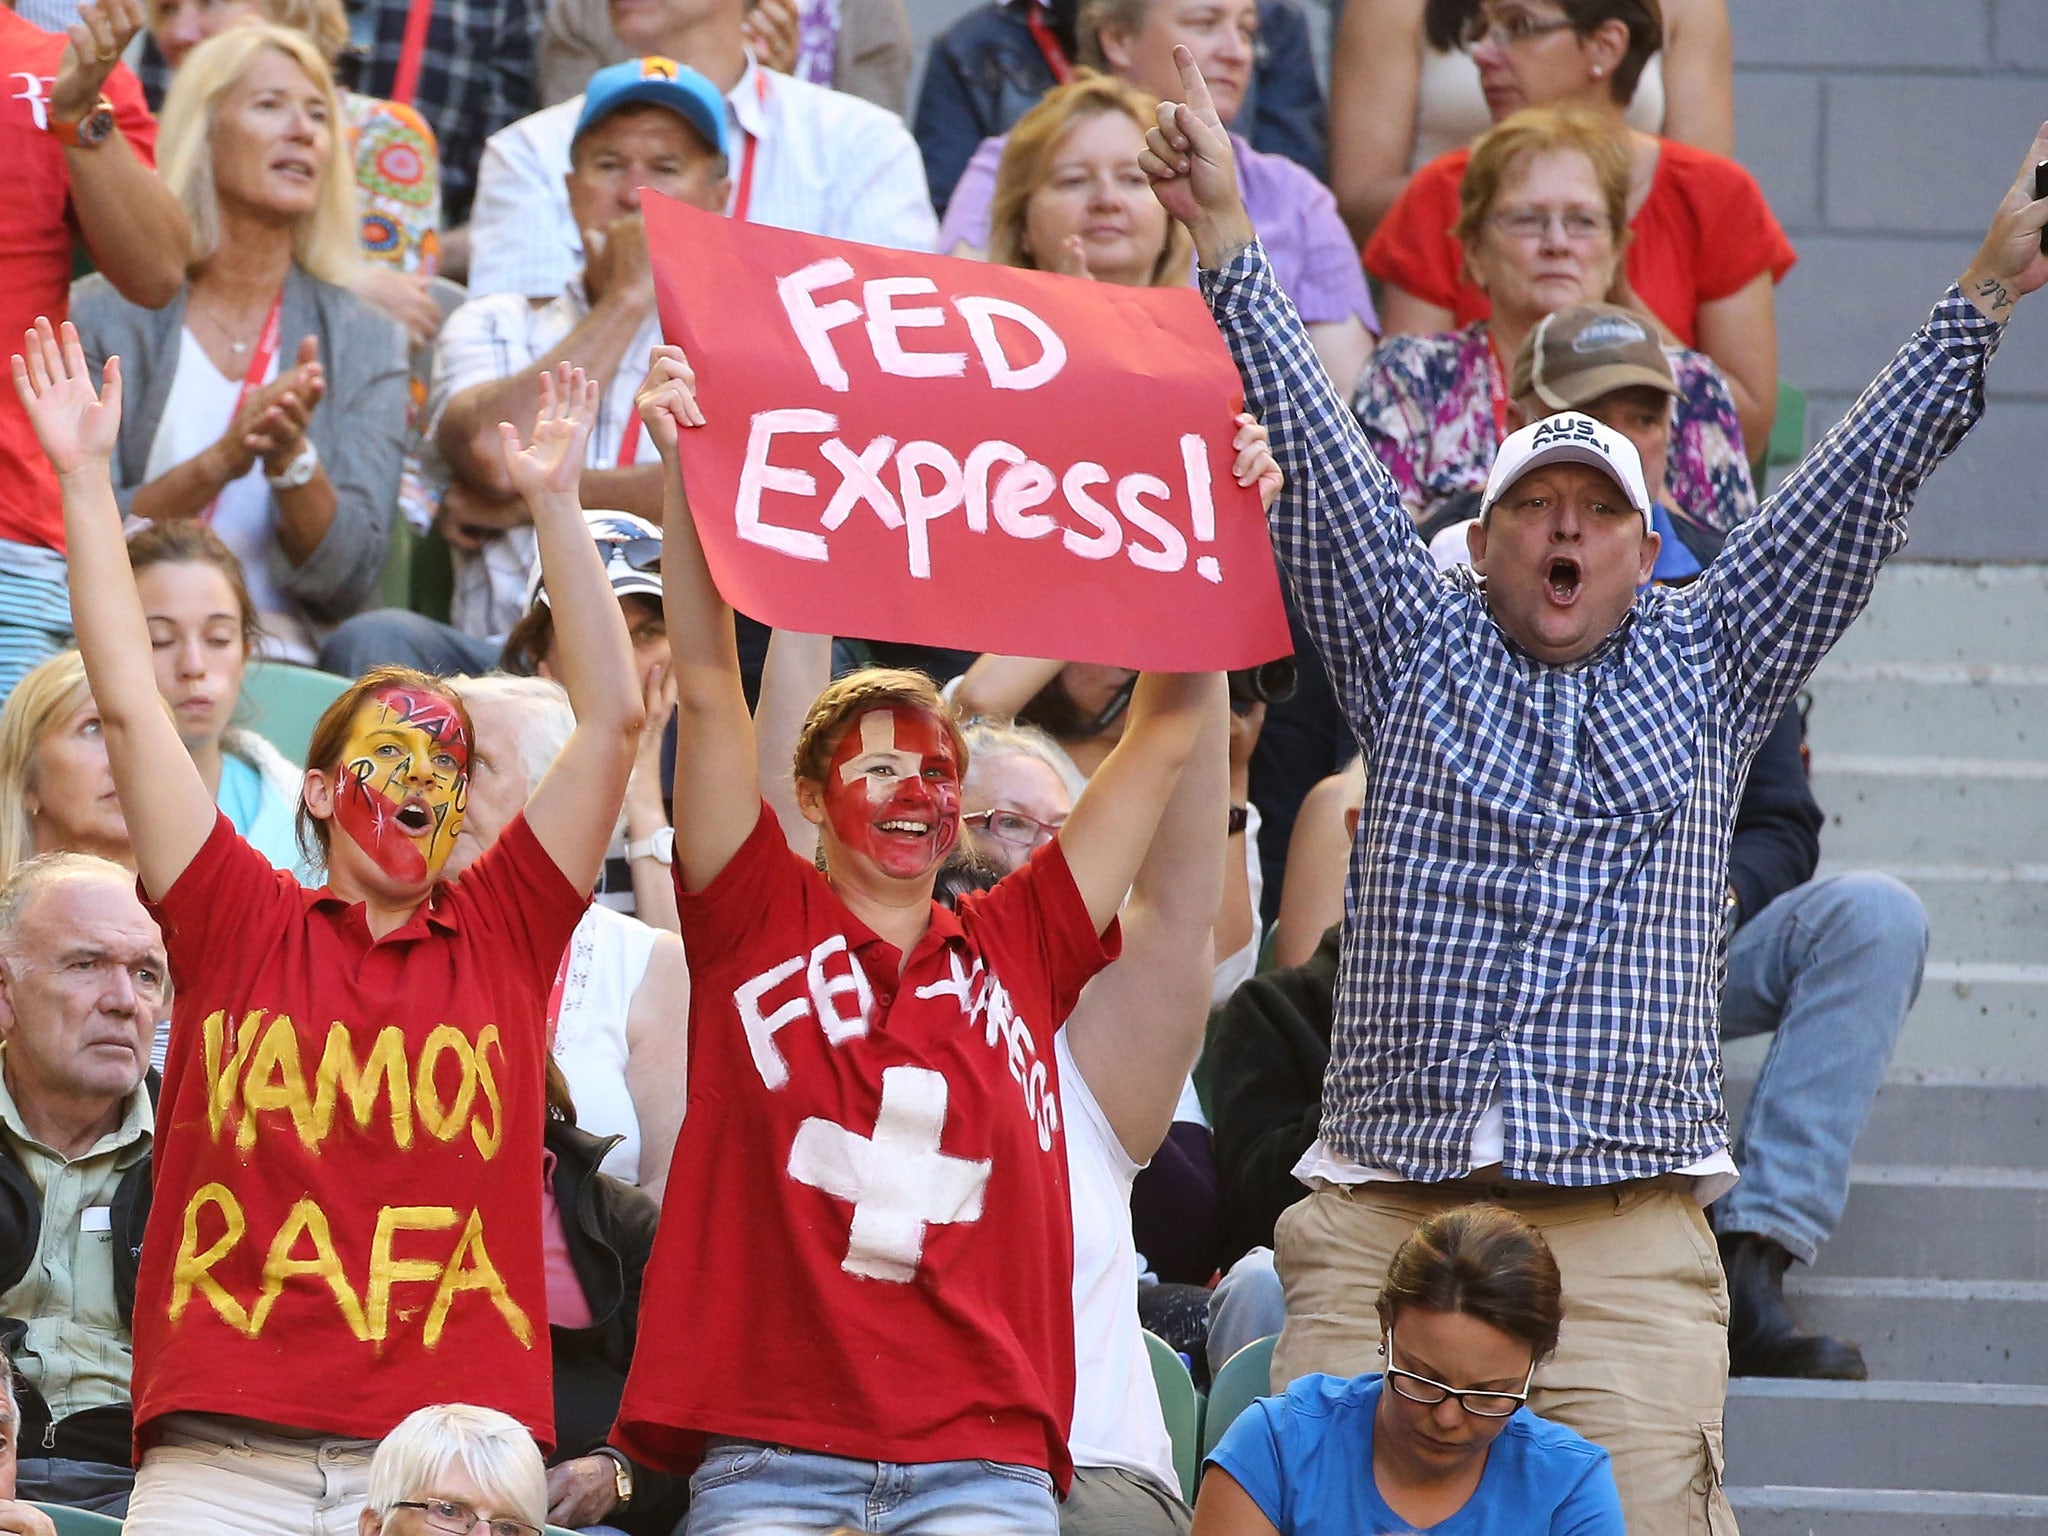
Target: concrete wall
[{"x": 1884, "y": 132}]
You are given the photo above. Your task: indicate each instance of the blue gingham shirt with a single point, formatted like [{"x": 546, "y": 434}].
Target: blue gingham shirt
[{"x": 1533, "y": 913}]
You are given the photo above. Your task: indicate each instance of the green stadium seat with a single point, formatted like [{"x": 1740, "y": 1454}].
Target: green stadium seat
[
  {"x": 282, "y": 703},
  {"x": 1182, "y": 1405},
  {"x": 79, "y": 1522},
  {"x": 1788, "y": 428},
  {"x": 1246, "y": 1376}
]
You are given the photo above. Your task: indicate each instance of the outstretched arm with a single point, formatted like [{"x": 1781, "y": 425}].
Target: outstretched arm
[
  {"x": 717, "y": 798},
  {"x": 795, "y": 672},
  {"x": 576, "y": 804},
  {"x": 169, "y": 811}
]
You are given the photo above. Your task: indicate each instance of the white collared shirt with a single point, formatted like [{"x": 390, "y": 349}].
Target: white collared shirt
[{"x": 824, "y": 162}]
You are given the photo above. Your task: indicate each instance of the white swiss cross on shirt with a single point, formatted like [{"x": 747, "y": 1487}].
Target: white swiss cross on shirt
[{"x": 897, "y": 1180}]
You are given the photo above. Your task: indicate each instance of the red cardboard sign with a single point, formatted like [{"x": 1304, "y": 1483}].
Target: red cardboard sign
[{"x": 919, "y": 448}]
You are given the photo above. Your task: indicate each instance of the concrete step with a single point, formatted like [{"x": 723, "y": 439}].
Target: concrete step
[
  {"x": 1984, "y": 615},
  {"x": 1922, "y": 1222},
  {"x": 1929, "y": 707},
  {"x": 1888, "y": 810},
  {"x": 1932, "y": 1330},
  {"x": 1942, "y": 1123},
  {"x": 1978, "y": 912},
  {"x": 1784, "y": 1511},
  {"x": 1929, "y": 1435},
  {"x": 1986, "y": 1023}
]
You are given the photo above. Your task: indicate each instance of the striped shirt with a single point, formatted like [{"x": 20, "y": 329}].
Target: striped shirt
[{"x": 1533, "y": 910}]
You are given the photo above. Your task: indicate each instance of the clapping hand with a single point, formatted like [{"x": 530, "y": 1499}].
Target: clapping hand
[
  {"x": 75, "y": 423},
  {"x": 549, "y": 469},
  {"x": 273, "y": 421},
  {"x": 1193, "y": 168},
  {"x": 667, "y": 402}
]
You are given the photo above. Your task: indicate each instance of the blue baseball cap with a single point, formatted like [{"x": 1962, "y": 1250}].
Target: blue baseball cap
[{"x": 664, "y": 83}]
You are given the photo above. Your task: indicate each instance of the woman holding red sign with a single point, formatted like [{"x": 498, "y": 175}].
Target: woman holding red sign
[
  {"x": 349, "y": 1130},
  {"x": 272, "y": 401},
  {"x": 860, "y": 1295}
]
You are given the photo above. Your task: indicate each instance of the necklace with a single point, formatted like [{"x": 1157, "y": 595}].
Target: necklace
[{"x": 220, "y": 328}]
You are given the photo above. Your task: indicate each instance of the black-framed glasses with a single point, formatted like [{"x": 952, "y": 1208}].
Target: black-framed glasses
[
  {"x": 1516, "y": 27},
  {"x": 1013, "y": 827},
  {"x": 458, "y": 1519},
  {"x": 1420, "y": 1389}
]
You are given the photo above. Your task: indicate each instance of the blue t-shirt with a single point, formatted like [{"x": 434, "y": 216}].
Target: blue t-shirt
[{"x": 1306, "y": 1460}]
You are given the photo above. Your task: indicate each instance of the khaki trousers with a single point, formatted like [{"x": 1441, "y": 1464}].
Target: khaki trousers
[
  {"x": 1641, "y": 1366},
  {"x": 213, "y": 1476}
]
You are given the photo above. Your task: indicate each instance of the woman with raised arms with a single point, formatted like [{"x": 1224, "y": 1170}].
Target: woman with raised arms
[
  {"x": 349, "y": 1131},
  {"x": 860, "y": 1295}
]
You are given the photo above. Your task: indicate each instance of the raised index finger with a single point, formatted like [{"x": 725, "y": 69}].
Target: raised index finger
[{"x": 1193, "y": 87}]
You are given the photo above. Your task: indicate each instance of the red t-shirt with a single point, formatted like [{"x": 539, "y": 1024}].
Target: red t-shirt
[
  {"x": 865, "y": 1247},
  {"x": 35, "y": 250},
  {"x": 347, "y": 1220},
  {"x": 1703, "y": 232}
]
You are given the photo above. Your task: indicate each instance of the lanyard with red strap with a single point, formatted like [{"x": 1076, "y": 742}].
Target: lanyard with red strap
[
  {"x": 405, "y": 82},
  {"x": 1042, "y": 34},
  {"x": 743, "y": 186},
  {"x": 259, "y": 369},
  {"x": 1500, "y": 389}
]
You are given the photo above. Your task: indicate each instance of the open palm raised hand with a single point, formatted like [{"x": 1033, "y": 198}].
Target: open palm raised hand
[
  {"x": 75, "y": 423},
  {"x": 551, "y": 466}
]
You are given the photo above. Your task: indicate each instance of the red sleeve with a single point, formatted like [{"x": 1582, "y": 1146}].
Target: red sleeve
[
  {"x": 226, "y": 900},
  {"x": 132, "y": 113},
  {"x": 1413, "y": 247},
  {"x": 1739, "y": 235},
  {"x": 1037, "y": 916},
  {"x": 763, "y": 877},
  {"x": 518, "y": 893}
]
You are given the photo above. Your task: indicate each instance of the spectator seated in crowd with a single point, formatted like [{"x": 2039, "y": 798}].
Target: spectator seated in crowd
[
  {"x": 268, "y": 400},
  {"x": 1471, "y": 1298},
  {"x": 1477, "y": 1044},
  {"x": 994, "y": 62},
  {"x": 1705, "y": 250},
  {"x": 56, "y": 786},
  {"x": 465, "y": 972},
  {"x": 765, "y": 1391},
  {"x": 1296, "y": 217},
  {"x": 861, "y": 47},
  {"x": 202, "y": 631},
  {"x": 1404, "y": 89},
  {"x": 73, "y": 171},
  {"x": 599, "y": 1231},
  {"x": 805, "y": 158},
  {"x": 1541, "y": 221},
  {"x": 453, "y": 1466},
  {"x": 82, "y": 977},
  {"x": 391, "y": 149},
  {"x": 623, "y": 984},
  {"x": 16, "y": 1514}
]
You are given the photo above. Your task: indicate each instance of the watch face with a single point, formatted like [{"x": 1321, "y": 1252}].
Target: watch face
[{"x": 97, "y": 126}]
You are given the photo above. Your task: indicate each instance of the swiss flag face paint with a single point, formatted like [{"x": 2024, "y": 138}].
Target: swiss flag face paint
[
  {"x": 403, "y": 782},
  {"x": 892, "y": 790}
]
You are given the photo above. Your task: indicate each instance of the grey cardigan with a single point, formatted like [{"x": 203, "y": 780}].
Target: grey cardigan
[{"x": 359, "y": 428}]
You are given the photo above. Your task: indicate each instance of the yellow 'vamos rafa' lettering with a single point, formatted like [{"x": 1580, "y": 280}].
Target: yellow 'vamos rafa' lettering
[
  {"x": 308, "y": 1220},
  {"x": 384, "y": 1066},
  {"x": 192, "y": 1269}
]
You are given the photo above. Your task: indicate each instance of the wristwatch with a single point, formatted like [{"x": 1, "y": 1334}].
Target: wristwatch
[
  {"x": 299, "y": 471},
  {"x": 661, "y": 847},
  {"x": 90, "y": 131},
  {"x": 622, "y": 1474}
]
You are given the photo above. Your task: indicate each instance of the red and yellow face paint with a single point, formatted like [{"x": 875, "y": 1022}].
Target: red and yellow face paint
[
  {"x": 892, "y": 790},
  {"x": 404, "y": 780}
]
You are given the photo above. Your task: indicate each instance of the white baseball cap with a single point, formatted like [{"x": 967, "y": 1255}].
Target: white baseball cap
[
  {"x": 1568, "y": 438},
  {"x": 631, "y": 550}
]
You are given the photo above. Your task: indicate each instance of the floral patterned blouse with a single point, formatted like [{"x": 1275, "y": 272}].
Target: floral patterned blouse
[
  {"x": 1427, "y": 406},
  {"x": 398, "y": 182}
]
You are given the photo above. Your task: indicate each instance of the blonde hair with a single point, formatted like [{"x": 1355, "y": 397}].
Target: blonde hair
[
  {"x": 869, "y": 688},
  {"x": 39, "y": 701},
  {"x": 1540, "y": 131},
  {"x": 1027, "y": 160},
  {"x": 492, "y": 1447},
  {"x": 324, "y": 21},
  {"x": 325, "y": 241}
]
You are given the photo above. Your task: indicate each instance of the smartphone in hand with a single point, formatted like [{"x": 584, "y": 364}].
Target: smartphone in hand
[{"x": 2041, "y": 191}]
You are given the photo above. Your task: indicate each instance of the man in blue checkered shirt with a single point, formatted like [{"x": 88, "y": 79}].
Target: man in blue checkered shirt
[{"x": 1528, "y": 997}]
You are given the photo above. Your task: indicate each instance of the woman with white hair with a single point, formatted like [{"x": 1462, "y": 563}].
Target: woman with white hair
[
  {"x": 450, "y": 1465},
  {"x": 56, "y": 788},
  {"x": 270, "y": 401}
]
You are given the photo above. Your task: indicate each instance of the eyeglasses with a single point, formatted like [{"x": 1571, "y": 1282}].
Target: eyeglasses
[
  {"x": 459, "y": 1519},
  {"x": 642, "y": 554},
  {"x": 1579, "y": 226},
  {"x": 1014, "y": 828},
  {"x": 1515, "y": 28},
  {"x": 1420, "y": 1389}
]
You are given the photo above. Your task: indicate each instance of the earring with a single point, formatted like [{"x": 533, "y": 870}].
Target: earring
[{"x": 1599, "y": 70}]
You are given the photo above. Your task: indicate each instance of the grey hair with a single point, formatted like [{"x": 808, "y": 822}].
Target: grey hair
[
  {"x": 990, "y": 741},
  {"x": 33, "y": 876},
  {"x": 493, "y": 1448},
  {"x": 546, "y": 720}
]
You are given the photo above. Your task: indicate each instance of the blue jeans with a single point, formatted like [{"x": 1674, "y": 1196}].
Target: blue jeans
[
  {"x": 745, "y": 1489},
  {"x": 400, "y": 637},
  {"x": 1247, "y": 1305},
  {"x": 1832, "y": 966}
]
